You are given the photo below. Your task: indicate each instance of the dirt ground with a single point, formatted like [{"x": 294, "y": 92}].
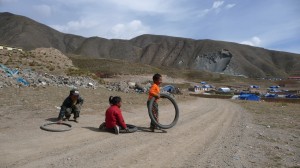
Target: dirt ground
[{"x": 209, "y": 133}]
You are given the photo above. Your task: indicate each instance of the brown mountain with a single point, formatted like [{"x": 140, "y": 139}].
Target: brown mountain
[{"x": 181, "y": 53}]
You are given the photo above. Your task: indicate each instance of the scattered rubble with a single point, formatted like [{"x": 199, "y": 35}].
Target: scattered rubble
[
  {"x": 27, "y": 77},
  {"x": 128, "y": 87}
]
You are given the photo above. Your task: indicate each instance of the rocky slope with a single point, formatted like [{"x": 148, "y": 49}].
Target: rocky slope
[
  {"x": 39, "y": 67},
  {"x": 181, "y": 53}
]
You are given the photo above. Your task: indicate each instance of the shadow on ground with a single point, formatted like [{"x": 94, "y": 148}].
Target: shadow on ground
[
  {"x": 94, "y": 129},
  {"x": 140, "y": 129},
  {"x": 147, "y": 129},
  {"x": 52, "y": 119}
]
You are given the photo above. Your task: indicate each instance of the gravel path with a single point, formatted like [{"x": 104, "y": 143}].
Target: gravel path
[{"x": 208, "y": 133}]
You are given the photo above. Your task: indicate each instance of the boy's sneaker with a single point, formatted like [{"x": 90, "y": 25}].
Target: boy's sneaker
[
  {"x": 102, "y": 126},
  {"x": 117, "y": 130},
  {"x": 67, "y": 118},
  {"x": 152, "y": 128}
]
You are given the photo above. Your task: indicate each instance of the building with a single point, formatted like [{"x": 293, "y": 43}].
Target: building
[
  {"x": 197, "y": 89},
  {"x": 224, "y": 89},
  {"x": 3, "y": 47},
  {"x": 9, "y": 48}
]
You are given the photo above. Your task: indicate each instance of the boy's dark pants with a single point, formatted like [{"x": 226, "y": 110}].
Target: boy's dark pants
[
  {"x": 154, "y": 111},
  {"x": 68, "y": 111}
]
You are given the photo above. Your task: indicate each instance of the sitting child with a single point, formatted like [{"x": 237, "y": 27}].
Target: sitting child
[{"x": 114, "y": 120}]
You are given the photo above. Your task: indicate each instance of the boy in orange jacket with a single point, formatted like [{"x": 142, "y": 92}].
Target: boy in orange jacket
[{"x": 154, "y": 92}]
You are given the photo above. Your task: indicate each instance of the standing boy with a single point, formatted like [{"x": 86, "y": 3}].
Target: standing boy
[{"x": 154, "y": 92}]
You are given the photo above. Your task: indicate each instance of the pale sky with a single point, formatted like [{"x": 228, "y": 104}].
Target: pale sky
[{"x": 271, "y": 24}]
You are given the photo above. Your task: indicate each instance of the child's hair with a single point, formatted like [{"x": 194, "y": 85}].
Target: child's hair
[
  {"x": 114, "y": 100},
  {"x": 156, "y": 77}
]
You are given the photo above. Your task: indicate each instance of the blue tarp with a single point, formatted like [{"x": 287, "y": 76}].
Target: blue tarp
[
  {"x": 268, "y": 95},
  {"x": 273, "y": 87},
  {"x": 169, "y": 88},
  {"x": 254, "y": 86},
  {"x": 203, "y": 83},
  {"x": 251, "y": 97},
  {"x": 8, "y": 71},
  {"x": 274, "y": 90},
  {"x": 2, "y": 66},
  {"x": 23, "y": 81},
  {"x": 292, "y": 96},
  {"x": 13, "y": 73}
]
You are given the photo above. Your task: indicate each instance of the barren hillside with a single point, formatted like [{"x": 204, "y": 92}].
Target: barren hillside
[{"x": 160, "y": 51}]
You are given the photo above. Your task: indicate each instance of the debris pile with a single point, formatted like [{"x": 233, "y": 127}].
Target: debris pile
[
  {"x": 27, "y": 77},
  {"x": 128, "y": 87}
]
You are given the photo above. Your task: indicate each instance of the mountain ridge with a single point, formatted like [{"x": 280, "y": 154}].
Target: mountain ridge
[{"x": 156, "y": 50}]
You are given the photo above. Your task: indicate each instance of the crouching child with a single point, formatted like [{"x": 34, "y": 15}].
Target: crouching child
[{"x": 71, "y": 105}]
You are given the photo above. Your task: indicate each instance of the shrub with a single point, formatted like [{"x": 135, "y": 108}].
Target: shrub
[
  {"x": 32, "y": 63},
  {"x": 51, "y": 68}
]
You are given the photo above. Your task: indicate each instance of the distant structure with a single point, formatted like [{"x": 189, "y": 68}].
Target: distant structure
[
  {"x": 197, "y": 89},
  {"x": 3, "y": 47},
  {"x": 202, "y": 88},
  {"x": 224, "y": 89}
]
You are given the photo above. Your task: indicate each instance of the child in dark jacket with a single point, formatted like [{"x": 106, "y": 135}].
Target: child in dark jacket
[{"x": 71, "y": 105}]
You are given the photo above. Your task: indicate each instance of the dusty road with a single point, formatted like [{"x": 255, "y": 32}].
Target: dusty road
[{"x": 209, "y": 133}]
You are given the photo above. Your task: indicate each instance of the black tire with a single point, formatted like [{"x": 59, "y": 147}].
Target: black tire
[
  {"x": 44, "y": 127},
  {"x": 130, "y": 127},
  {"x": 176, "y": 112}
]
